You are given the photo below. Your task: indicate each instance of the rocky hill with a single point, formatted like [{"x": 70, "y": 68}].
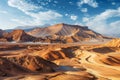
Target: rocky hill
[
  {"x": 18, "y": 36},
  {"x": 66, "y": 33}
]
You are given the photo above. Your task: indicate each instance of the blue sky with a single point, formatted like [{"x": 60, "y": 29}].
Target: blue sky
[{"x": 102, "y": 16}]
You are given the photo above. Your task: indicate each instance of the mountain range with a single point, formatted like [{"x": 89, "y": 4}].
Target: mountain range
[{"x": 64, "y": 33}]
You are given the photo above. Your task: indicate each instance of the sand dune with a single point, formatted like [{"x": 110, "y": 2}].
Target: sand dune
[{"x": 113, "y": 43}]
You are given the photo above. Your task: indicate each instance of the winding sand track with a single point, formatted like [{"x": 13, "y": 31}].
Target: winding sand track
[{"x": 95, "y": 67}]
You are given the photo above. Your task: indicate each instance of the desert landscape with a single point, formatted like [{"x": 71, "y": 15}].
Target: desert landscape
[
  {"x": 59, "y": 39},
  {"x": 59, "y": 52}
]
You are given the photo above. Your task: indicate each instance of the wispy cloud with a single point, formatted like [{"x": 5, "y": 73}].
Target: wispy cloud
[
  {"x": 91, "y": 3},
  {"x": 99, "y": 22},
  {"x": 73, "y": 17},
  {"x": 39, "y": 17},
  {"x": 22, "y": 5},
  {"x": 20, "y": 22},
  {"x": 85, "y": 19},
  {"x": 84, "y": 10}
]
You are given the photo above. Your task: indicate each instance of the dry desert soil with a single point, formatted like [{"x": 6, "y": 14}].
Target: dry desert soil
[{"x": 75, "y": 61}]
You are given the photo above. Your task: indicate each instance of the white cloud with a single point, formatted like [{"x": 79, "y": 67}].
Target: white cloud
[
  {"x": 47, "y": 15},
  {"x": 37, "y": 18},
  {"x": 115, "y": 27},
  {"x": 99, "y": 22},
  {"x": 85, "y": 19},
  {"x": 84, "y": 10},
  {"x": 73, "y": 17},
  {"x": 22, "y": 5},
  {"x": 91, "y": 3},
  {"x": 116, "y": 23},
  {"x": 20, "y": 22}
]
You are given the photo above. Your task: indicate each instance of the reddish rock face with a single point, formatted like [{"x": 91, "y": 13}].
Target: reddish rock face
[{"x": 19, "y": 36}]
